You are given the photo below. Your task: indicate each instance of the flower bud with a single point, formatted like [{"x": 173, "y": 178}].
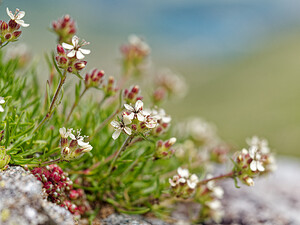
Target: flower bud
[
  {"x": 16, "y": 34},
  {"x": 80, "y": 65},
  {"x": 60, "y": 49},
  {"x": 163, "y": 149},
  {"x": 12, "y": 24},
  {"x": 4, "y": 26},
  {"x": 7, "y": 36}
]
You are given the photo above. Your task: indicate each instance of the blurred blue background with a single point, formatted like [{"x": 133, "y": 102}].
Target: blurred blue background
[{"x": 240, "y": 58}]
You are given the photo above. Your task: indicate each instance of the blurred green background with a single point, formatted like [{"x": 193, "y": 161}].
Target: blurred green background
[{"x": 240, "y": 58}]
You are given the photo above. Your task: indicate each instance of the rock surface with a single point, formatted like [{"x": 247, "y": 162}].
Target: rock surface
[
  {"x": 274, "y": 200},
  {"x": 21, "y": 201}
]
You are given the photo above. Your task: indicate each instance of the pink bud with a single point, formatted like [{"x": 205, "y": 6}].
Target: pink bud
[
  {"x": 7, "y": 36},
  {"x": 60, "y": 49},
  {"x": 12, "y": 24},
  {"x": 80, "y": 65},
  {"x": 4, "y": 26},
  {"x": 17, "y": 33}
]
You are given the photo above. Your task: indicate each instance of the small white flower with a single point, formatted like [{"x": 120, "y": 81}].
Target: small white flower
[
  {"x": 261, "y": 144},
  {"x": 139, "y": 43},
  {"x": 2, "y": 101},
  {"x": 84, "y": 145},
  {"x": 17, "y": 17},
  {"x": 256, "y": 163},
  {"x": 150, "y": 122},
  {"x": 192, "y": 181},
  {"x": 122, "y": 125},
  {"x": 136, "y": 111},
  {"x": 249, "y": 181},
  {"x": 184, "y": 173},
  {"x": 76, "y": 48},
  {"x": 214, "y": 204}
]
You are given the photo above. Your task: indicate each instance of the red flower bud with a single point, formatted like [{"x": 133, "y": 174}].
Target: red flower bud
[
  {"x": 12, "y": 24},
  {"x": 17, "y": 33},
  {"x": 4, "y": 26},
  {"x": 7, "y": 36},
  {"x": 80, "y": 65},
  {"x": 60, "y": 49}
]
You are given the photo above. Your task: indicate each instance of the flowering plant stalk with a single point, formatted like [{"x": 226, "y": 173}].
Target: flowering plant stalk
[{"x": 135, "y": 158}]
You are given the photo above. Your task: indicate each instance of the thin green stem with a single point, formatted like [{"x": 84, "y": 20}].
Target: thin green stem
[
  {"x": 54, "y": 99},
  {"x": 75, "y": 104},
  {"x": 123, "y": 147}
]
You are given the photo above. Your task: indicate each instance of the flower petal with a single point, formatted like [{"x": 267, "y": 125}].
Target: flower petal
[
  {"x": 139, "y": 105},
  {"x": 20, "y": 15},
  {"x": 116, "y": 134},
  {"x": 126, "y": 119},
  {"x": 22, "y": 23},
  {"x": 84, "y": 51},
  {"x": 67, "y": 46},
  {"x": 260, "y": 167},
  {"x": 127, "y": 130},
  {"x": 129, "y": 107},
  {"x": 75, "y": 40},
  {"x": 79, "y": 55},
  {"x": 140, "y": 117},
  {"x": 115, "y": 124},
  {"x": 1, "y": 109},
  {"x": 71, "y": 53},
  {"x": 253, "y": 165},
  {"x": 2, "y": 101},
  {"x": 9, "y": 13}
]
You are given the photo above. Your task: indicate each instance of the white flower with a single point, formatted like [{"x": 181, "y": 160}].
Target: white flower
[
  {"x": 192, "y": 181},
  {"x": 76, "y": 48},
  {"x": 139, "y": 43},
  {"x": 261, "y": 144},
  {"x": 136, "y": 111},
  {"x": 84, "y": 145},
  {"x": 122, "y": 125},
  {"x": 184, "y": 173},
  {"x": 174, "y": 180},
  {"x": 214, "y": 204},
  {"x": 17, "y": 17},
  {"x": 256, "y": 163},
  {"x": 161, "y": 115},
  {"x": 216, "y": 190},
  {"x": 150, "y": 122},
  {"x": 2, "y": 101}
]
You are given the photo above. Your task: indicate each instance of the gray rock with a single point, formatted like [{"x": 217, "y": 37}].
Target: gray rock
[{"x": 21, "y": 201}]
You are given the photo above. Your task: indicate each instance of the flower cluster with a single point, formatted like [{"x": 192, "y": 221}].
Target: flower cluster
[
  {"x": 4, "y": 158},
  {"x": 164, "y": 149},
  {"x": 183, "y": 184},
  {"x": 209, "y": 196},
  {"x": 134, "y": 53},
  {"x": 76, "y": 148},
  {"x": 11, "y": 31},
  {"x": 94, "y": 78},
  {"x": 59, "y": 189},
  {"x": 110, "y": 88},
  {"x": 163, "y": 120},
  {"x": 255, "y": 160},
  {"x": 70, "y": 56},
  {"x": 132, "y": 94},
  {"x": 65, "y": 28},
  {"x": 168, "y": 84},
  {"x": 134, "y": 119}
]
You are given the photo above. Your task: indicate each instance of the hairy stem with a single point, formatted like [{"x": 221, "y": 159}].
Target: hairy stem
[
  {"x": 54, "y": 99},
  {"x": 75, "y": 104}
]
